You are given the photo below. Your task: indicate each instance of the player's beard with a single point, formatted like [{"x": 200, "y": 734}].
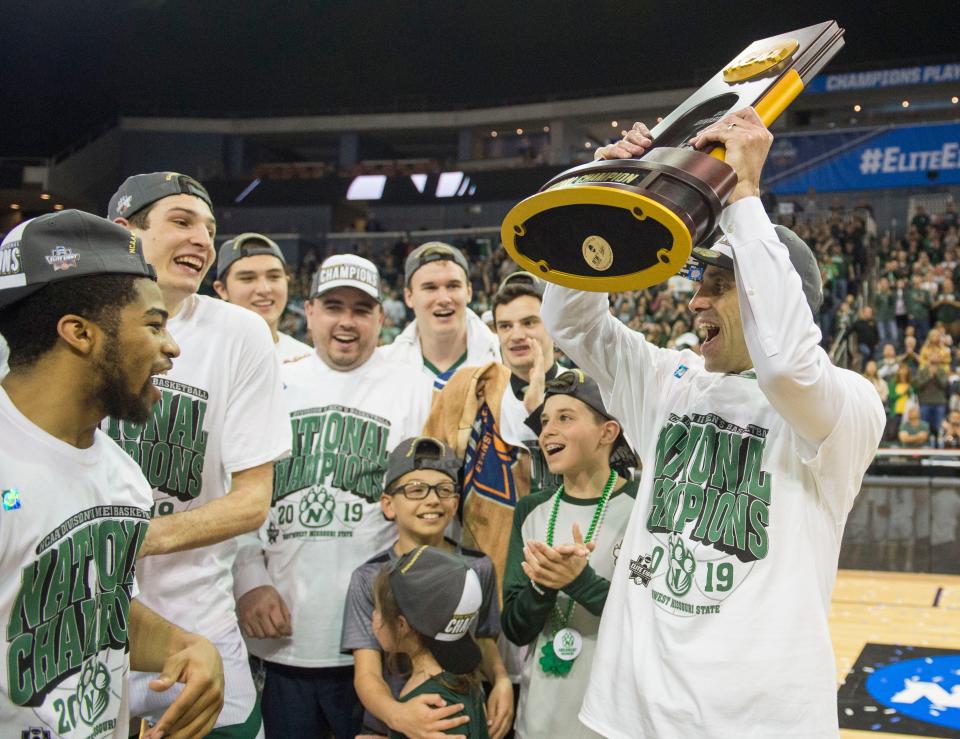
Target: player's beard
[{"x": 113, "y": 394}]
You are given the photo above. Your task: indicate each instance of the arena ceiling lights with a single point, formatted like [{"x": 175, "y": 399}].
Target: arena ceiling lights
[
  {"x": 445, "y": 185},
  {"x": 367, "y": 187}
]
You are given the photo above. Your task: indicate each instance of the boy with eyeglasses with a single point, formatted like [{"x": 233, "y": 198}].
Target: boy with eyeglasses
[{"x": 421, "y": 494}]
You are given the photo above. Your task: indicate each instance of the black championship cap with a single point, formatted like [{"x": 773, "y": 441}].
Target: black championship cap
[
  {"x": 433, "y": 251},
  {"x": 585, "y": 389},
  {"x": 138, "y": 191},
  {"x": 440, "y": 598},
  {"x": 61, "y": 246},
  {"x": 245, "y": 245},
  {"x": 421, "y": 453},
  {"x": 802, "y": 258}
]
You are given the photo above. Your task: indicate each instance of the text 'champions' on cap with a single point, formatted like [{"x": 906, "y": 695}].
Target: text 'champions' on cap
[
  {"x": 346, "y": 270},
  {"x": 440, "y": 597}
]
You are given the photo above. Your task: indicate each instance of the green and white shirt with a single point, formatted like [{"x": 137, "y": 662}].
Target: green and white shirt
[
  {"x": 716, "y": 621},
  {"x": 71, "y": 523},
  {"x": 325, "y": 519},
  {"x": 549, "y": 704}
]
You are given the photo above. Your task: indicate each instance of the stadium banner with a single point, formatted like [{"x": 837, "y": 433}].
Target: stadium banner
[
  {"x": 874, "y": 79},
  {"x": 866, "y": 159}
]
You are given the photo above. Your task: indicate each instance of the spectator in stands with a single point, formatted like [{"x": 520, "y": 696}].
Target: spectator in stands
[
  {"x": 445, "y": 334},
  {"x": 901, "y": 393},
  {"x": 918, "y": 306},
  {"x": 394, "y": 309},
  {"x": 881, "y": 386},
  {"x": 900, "y": 311},
  {"x": 865, "y": 327},
  {"x": 950, "y": 431},
  {"x": 920, "y": 219},
  {"x": 946, "y": 309},
  {"x": 252, "y": 273},
  {"x": 914, "y": 431},
  {"x": 885, "y": 312},
  {"x": 910, "y": 356},
  {"x": 887, "y": 369},
  {"x": 932, "y": 380}
]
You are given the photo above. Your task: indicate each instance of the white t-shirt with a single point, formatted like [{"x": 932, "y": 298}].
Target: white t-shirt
[
  {"x": 482, "y": 347},
  {"x": 71, "y": 523},
  {"x": 289, "y": 349},
  {"x": 4, "y": 356},
  {"x": 325, "y": 520},
  {"x": 716, "y": 620},
  {"x": 221, "y": 412}
]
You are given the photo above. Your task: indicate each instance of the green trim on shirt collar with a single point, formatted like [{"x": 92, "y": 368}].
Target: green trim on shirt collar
[{"x": 429, "y": 365}]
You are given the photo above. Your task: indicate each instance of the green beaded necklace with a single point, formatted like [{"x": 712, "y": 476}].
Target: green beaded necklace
[{"x": 549, "y": 660}]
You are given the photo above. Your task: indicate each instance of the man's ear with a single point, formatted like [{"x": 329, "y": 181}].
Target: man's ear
[
  {"x": 221, "y": 289},
  {"x": 122, "y": 221},
  {"x": 408, "y": 297},
  {"x": 79, "y": 333}
]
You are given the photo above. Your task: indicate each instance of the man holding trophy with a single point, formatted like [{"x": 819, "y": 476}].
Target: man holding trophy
[{"x": 716, "y": 621}]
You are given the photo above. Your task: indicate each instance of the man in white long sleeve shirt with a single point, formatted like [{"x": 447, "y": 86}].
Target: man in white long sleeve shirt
[{"x": 716, "y": 621}]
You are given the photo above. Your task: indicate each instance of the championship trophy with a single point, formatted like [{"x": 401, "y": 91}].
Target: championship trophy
[{"x": 626, "y": 224}]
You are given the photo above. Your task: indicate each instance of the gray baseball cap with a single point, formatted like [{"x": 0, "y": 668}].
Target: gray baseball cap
[
  {"x": 346, "y": 270},
  {"x": 63, "y": 245},
  {"x": 578, "y": 385},
  {"x": 138, "y": 191},
  {"x": 421, "y": 453},
  {"x": 433, "y": 251},
  {"x": 440, "y": 597},
  {"x": 523, "y": 278},
  {"x": 802, "y": 258},
  {"x": 245, "y": 245}
]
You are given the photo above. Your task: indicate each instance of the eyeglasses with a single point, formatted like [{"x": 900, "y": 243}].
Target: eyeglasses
[{"x": 417, "y": 490}]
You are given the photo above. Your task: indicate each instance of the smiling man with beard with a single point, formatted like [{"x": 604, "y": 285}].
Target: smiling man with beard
[
  {"x": 348, "y": 408},
  {"x": 208, "y": 448},
  {"x": 86, "y": 325}
]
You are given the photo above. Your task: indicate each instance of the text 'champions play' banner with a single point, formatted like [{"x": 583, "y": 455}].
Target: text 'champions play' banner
[
  {"x": 908, "y": 156},
  {"x": 929, "y": 74}
]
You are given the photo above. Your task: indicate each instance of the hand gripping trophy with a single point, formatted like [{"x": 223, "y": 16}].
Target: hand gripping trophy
[{"x": 626, "y": 224}]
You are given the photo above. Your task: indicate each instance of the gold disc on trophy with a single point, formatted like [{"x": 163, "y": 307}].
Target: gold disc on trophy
[{"x": 755, "y": 61}]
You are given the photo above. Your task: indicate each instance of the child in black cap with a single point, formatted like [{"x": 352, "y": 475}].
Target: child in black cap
[
  {"x": 562, "y": 552},
  {"x": 424, "y": 607}
]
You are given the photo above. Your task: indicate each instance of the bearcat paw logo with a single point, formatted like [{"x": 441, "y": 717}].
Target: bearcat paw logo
[
  {"x": 316, "y": 508},
  {"x": 93, "y": 691},
  {"x": 682, "y": 566}
]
